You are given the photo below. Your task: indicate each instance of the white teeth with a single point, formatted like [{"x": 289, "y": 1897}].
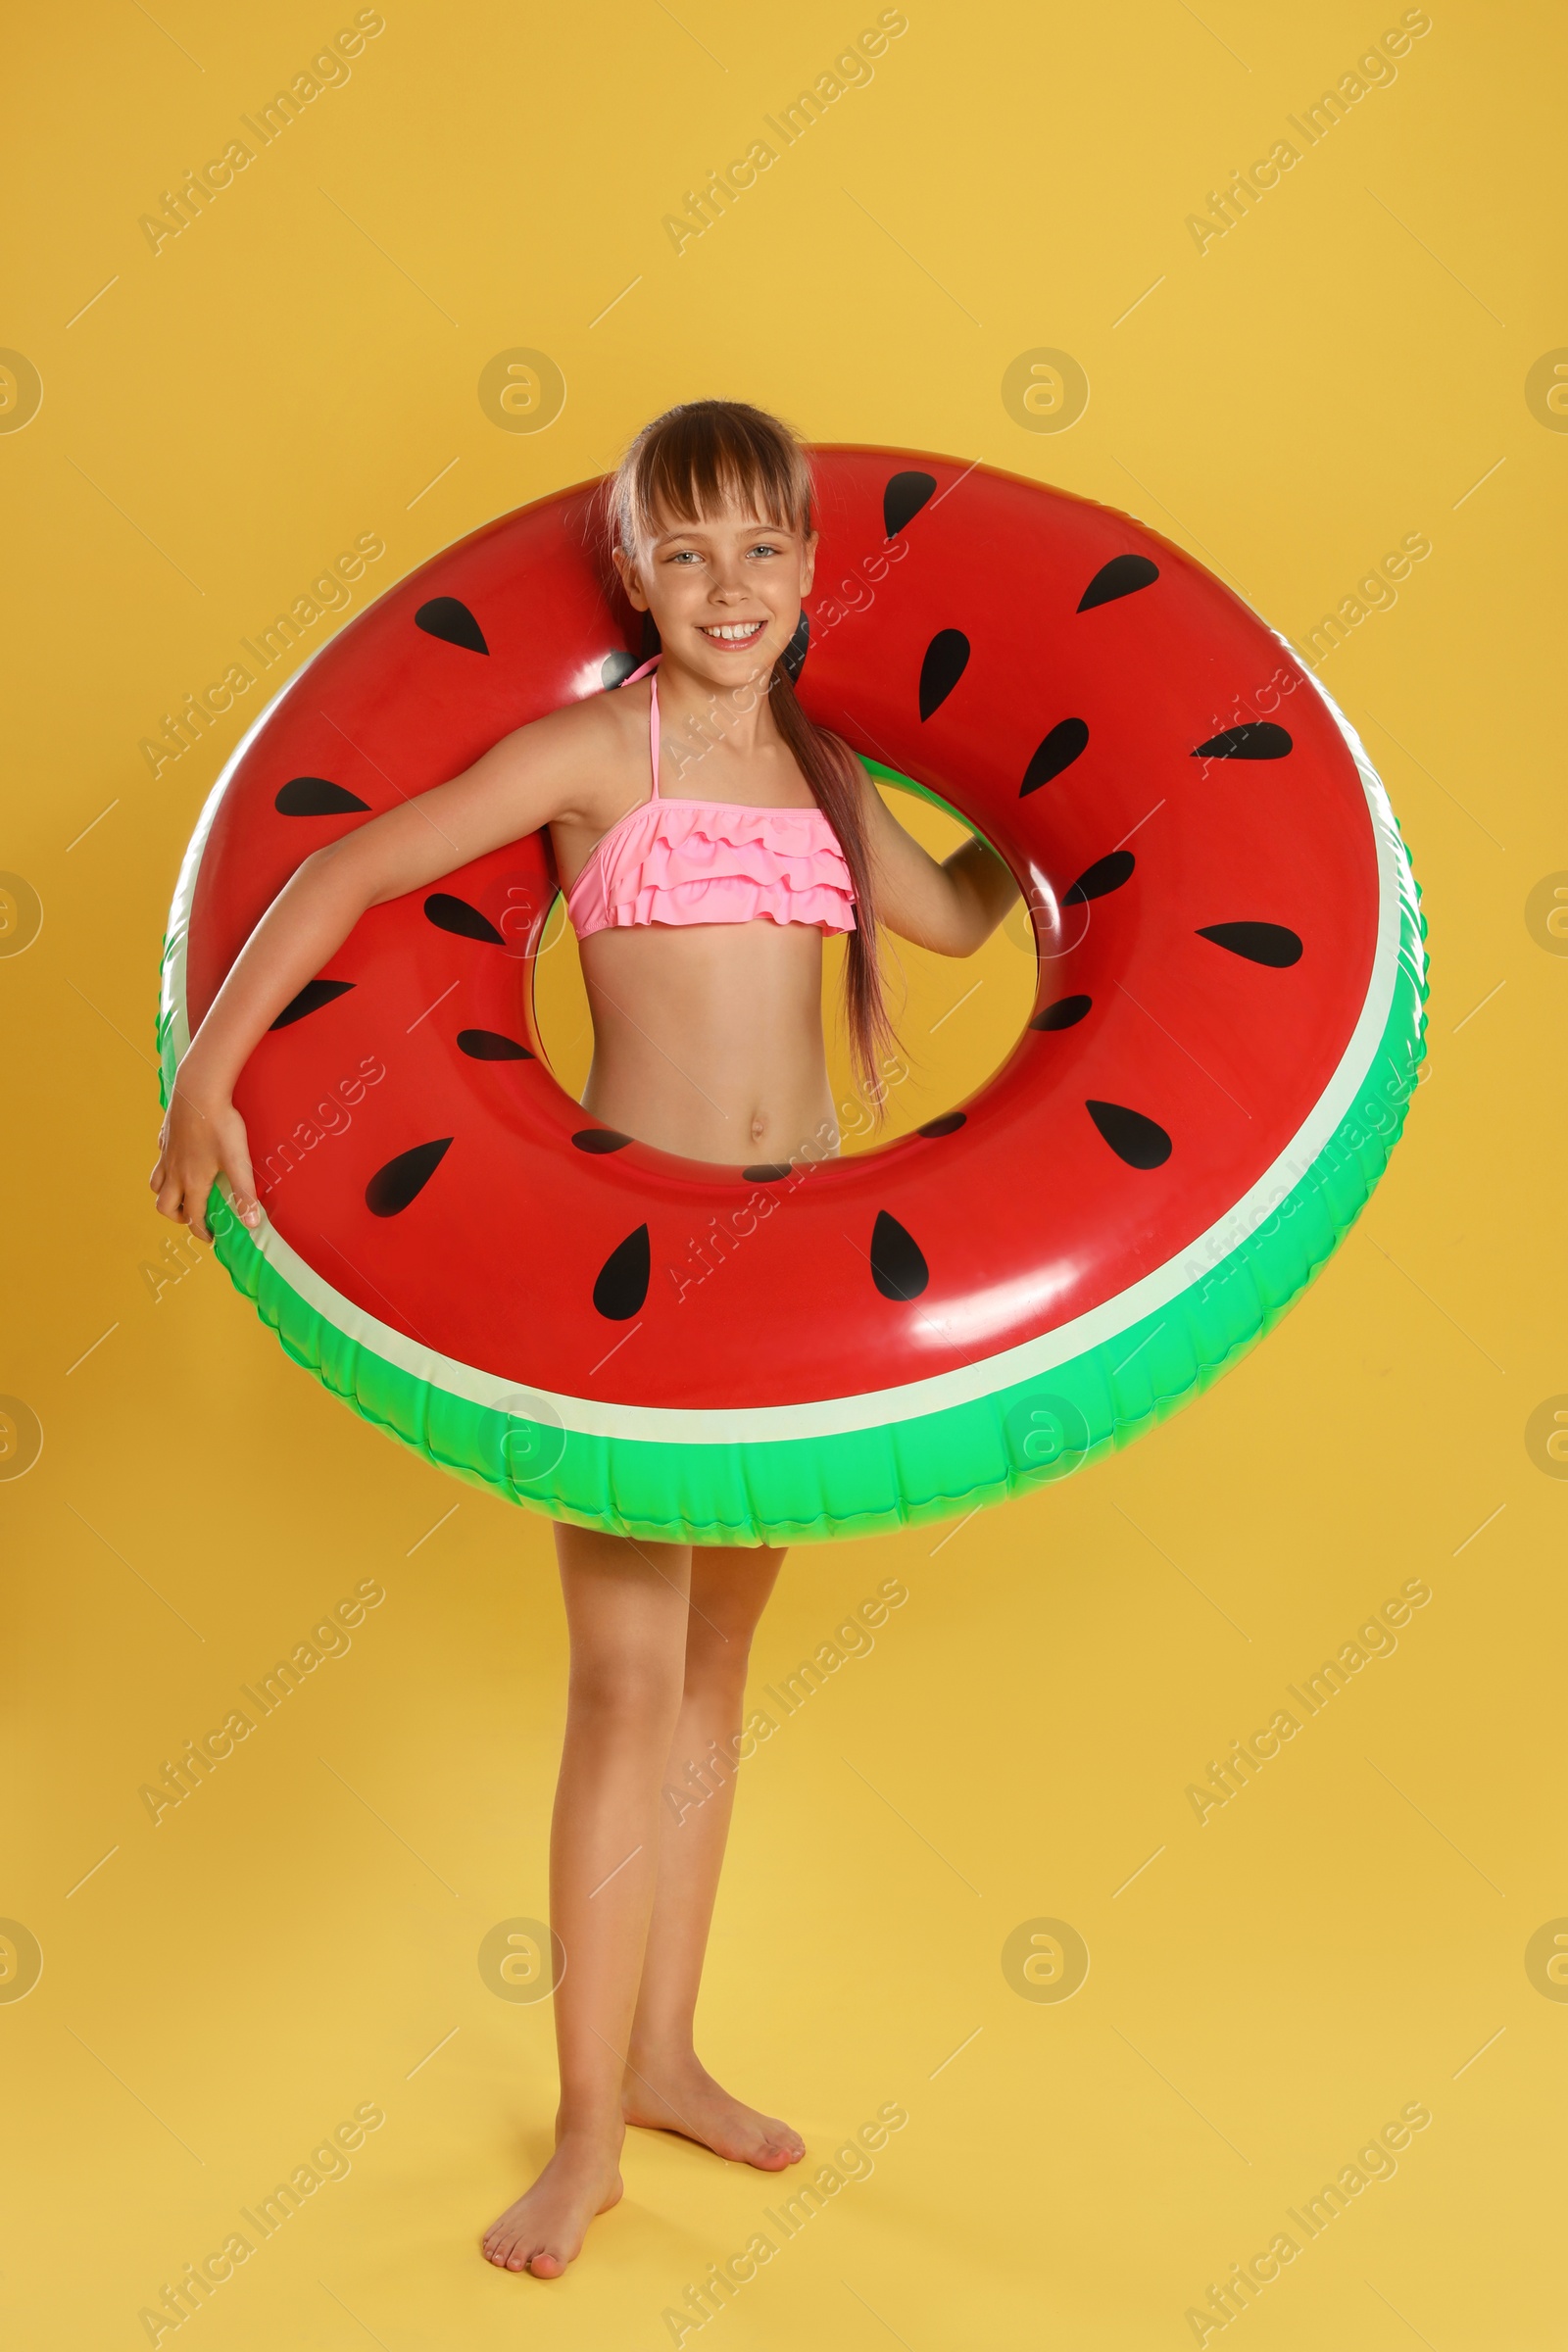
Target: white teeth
[{"x": 744, "y": 628}]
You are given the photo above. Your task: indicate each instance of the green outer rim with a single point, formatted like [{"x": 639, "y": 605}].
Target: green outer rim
[
  {"x": 902, "y": 1472},
  {"x": 921, "y": 791}
]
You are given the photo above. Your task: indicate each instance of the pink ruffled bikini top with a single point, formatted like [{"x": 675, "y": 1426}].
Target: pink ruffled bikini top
[{"x": 710, "y": 862}]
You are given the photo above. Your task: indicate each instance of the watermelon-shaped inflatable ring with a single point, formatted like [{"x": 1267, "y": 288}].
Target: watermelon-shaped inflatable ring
[{"x": 1226, "y": 1032}]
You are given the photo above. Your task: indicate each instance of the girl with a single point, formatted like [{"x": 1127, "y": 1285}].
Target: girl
[{"x": 702, "y": 921}]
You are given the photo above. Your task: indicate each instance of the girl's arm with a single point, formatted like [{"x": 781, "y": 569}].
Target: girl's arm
[
  {"x": 952, "y": 908},
  {"x": 531, "y": 778}
]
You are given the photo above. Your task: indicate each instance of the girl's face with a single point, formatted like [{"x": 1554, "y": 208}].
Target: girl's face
[{"x": 724, "y": 592}]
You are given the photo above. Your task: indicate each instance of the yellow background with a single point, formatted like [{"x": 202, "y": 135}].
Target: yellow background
[{"x": 1341, "y": 369}]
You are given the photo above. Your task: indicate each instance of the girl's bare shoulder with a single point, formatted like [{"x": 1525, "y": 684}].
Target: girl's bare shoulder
[{"x": 586, "y": 752}]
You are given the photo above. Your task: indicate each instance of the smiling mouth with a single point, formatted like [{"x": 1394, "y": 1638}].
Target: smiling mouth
[{"x": 733, "y": 632}]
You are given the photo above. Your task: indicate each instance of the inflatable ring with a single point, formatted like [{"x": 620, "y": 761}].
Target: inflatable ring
[{"x": 1226, "y": 1032}]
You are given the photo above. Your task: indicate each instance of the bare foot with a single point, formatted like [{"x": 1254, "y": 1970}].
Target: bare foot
[
  {"x": 677, "y": 2094},
  {"x": 544, "y": 2231}
]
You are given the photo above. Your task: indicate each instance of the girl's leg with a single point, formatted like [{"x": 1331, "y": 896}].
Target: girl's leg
[
  {"x": 626, "y": 1612},
  {"x": 665, "y": 2085}
]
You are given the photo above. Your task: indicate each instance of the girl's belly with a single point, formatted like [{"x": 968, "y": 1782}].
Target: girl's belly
[{"x": 708, "y": 1039}]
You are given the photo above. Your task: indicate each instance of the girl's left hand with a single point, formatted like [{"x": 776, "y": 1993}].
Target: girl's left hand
[{"x": 199, "y": 1140}]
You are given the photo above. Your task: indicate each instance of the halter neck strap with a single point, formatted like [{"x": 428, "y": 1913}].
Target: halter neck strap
[{"x": 645, "y": 671}]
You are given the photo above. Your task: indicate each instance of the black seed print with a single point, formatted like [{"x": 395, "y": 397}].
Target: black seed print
[
  {"x": 1259, "y": 739},
  {"x": 488, "y": 1045},
  {"x": 600, "y": 1140},
  {"x": 1066, "y": 1013},
  {"x": 623, "y": 1283},
  {"x": 948, "y": 1123},
  {"x": 616, "y": 667},
  {"x": 947, "y": 658},
  {"x": 903, "y": 498},
  {"x": 312, "y": 996},
  {"x": 1123, "y": 575},
  {"x": 457, "y": 915},
  {"x": 315, "y": 796},
  {"x": 1260, "y": 943},
  {"x": 402, "y": 1180},
  {"x": 1106, "y": 874},
  {"x": 897, "y": 1268},
  {"x": 768, "y": 1171},
  {"x": 1060, "y": 747},
  {"x": 445, "y": 618},
  {"x": 1140, "y": 1142}
]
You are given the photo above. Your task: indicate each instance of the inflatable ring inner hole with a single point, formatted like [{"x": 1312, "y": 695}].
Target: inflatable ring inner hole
[{"x": 958, "y": 1018}]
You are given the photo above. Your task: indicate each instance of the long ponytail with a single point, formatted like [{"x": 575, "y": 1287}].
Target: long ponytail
[
  {"x": 834, "y": 775},
  {"x": 691, "y": 461}
]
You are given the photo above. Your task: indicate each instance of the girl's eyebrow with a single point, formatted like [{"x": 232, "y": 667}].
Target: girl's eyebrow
[{"x": 697, "y": 530}]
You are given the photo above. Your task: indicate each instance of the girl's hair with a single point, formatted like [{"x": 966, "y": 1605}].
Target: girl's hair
[{"x": 692, "y": 461}]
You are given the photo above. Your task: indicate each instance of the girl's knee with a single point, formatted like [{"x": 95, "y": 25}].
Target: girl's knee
[
  {"x": 632, "y": 1690},
  {"x": 717, "y": 1655}
]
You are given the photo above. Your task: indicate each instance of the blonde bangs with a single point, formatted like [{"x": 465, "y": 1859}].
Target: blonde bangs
[{"x": 699, "y": 459}]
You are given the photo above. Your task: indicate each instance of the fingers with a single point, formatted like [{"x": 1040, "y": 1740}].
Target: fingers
[
  {"x": 195, "y": 1209},
  {"x": 196, "y": 1216},
  {"x": 171, "y": 1194},
  {"x": 242, "y": 1181},
  {"x": 189, "y": 1200},
  {"x": 182, "y": 1197}
]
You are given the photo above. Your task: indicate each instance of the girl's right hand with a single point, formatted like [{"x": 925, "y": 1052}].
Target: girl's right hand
[{"x": 202, "y": 1136}]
